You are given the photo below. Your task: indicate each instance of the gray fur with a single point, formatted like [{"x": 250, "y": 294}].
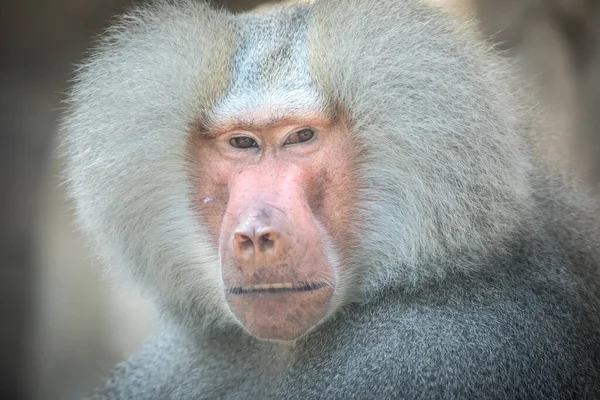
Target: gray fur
[
  {"x": 478, "y": 269},
  {"x": 270, "y": 70}
]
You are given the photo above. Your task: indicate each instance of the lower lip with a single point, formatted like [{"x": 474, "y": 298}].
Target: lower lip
[{"x": 267, "y": 289}]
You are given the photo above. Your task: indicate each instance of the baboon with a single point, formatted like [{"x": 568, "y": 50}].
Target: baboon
[{"x": 331, "y": 199}]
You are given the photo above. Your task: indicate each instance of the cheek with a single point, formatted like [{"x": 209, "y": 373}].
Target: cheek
[
  {"x": 335, "y": 198},
  {"x": 210, "y": 189}
]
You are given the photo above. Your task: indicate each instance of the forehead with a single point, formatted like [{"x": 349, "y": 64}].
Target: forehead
[{"x": 270, "y": 71}]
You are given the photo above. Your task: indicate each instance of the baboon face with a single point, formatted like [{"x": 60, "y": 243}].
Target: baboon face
[{"x": 276, "y": 197}]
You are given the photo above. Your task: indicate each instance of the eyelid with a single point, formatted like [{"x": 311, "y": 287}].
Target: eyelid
[
  {"x": 228, "y": 138},
  {"x": 298, "y": 130},
  {"x": 240, "y": 134},
  {"x": 252, "y": 145}
]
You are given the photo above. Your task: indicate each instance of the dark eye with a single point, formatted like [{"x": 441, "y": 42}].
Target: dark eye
[
  {"x": 243, "y": 142},
  {"x": 301, "y": 136}
]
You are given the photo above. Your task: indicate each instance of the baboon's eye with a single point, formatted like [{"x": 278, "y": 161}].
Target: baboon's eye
[
  {"x": 303, "y": 135},
  {"x": 243, "y": 142}
]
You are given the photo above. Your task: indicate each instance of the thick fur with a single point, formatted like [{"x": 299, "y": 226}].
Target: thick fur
[{"x": 477, "y": 269}]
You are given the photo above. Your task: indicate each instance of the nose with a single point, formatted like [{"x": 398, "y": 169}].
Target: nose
[
  {"x": 257, "y": 235},
  {"x": 259, "y": 241}
]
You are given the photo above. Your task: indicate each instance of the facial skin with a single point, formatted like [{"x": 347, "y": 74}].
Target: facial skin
[{"x": 277, "y": 196}]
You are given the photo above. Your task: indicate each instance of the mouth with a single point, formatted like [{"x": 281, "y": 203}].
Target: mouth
[{"x": 277, "y": 288}]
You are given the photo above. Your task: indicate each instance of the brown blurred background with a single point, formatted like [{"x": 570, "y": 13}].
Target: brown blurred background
[{"x": 63, "y": 324}]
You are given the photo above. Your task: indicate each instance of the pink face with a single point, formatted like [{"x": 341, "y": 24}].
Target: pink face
[{"x": 278, "y": 198}]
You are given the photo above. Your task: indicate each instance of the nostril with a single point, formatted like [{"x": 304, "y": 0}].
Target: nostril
[
  {"x": 267, "y": 241},
  {"x": 244, "y": 242}
]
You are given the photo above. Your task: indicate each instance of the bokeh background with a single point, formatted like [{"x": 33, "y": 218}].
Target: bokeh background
[{"x": 63, "y": 324}]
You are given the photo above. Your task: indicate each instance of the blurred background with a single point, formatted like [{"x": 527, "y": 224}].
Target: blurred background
[{"x": 63, "y": 324}]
